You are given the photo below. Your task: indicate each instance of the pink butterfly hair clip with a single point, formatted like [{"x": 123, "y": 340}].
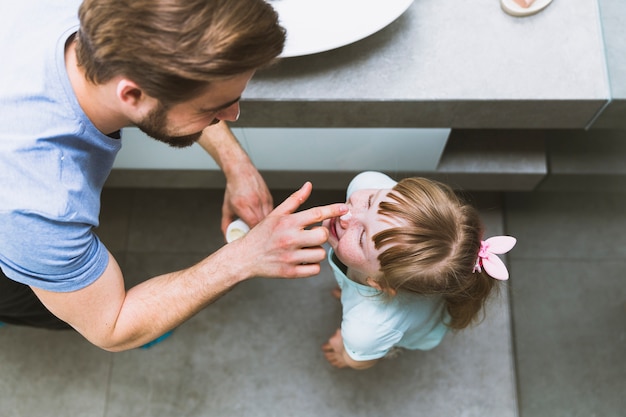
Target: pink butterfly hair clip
[{"x": 488, "y": 256}]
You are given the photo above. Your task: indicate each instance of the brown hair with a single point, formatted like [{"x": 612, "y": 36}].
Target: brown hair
[
  {"x": 436, "y": 253},
  {"x": 174, "y": 48}
]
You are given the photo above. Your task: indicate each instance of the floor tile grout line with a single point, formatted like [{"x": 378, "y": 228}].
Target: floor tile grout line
[
  {"x": 513, "y": 354},
  {"x": 109, "y": 383}
]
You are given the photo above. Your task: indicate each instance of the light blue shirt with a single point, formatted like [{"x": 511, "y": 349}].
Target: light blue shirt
[
  {"x": 372, "y": 322},
  {"x": 53, "y": 161}
]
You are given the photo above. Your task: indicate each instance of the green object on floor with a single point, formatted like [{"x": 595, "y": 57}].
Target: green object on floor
[{"x": 157, "y": 340}]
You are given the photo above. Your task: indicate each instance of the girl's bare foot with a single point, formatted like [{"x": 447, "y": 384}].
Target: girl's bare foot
[{"x": 333, "y": 350}]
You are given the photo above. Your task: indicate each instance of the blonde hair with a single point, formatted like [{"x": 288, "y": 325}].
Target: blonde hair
[
  {"x": 174, "y": 48},
  {"x": 436, "y": 252}
]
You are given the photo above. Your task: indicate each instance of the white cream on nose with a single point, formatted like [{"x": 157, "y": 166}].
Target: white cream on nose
[{"x": 346, "y": 216}]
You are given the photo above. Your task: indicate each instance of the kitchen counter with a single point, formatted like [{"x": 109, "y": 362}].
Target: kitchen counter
[
  {"x": 456, "y": 64},
  {"x": 613, "y": 14}
]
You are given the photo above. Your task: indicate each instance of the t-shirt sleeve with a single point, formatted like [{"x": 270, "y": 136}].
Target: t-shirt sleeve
[
  {"x": 58, "y": 256},
  {"x": 367, "y": 341}
]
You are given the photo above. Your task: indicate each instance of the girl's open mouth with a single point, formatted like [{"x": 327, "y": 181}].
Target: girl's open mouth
[{"x": 333, "y": 227}]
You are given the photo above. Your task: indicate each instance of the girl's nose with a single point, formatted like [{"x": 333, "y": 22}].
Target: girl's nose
[
  {"x": 230, "y": 113},
  {"x": 344, "y": 220}
]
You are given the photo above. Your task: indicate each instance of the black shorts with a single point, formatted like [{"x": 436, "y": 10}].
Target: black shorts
[{"x": 19, "y": 305}]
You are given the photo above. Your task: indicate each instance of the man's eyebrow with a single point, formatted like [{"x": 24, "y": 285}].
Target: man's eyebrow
[{"x": 222, "y": 107}]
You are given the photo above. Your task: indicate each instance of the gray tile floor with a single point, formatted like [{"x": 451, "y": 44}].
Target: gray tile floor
[
  {"x": 256, "y": 351},
  {"x": 569, "y": 302}
]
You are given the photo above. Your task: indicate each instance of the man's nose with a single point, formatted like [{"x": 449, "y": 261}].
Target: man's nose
[{"x": 230, "y": 113}]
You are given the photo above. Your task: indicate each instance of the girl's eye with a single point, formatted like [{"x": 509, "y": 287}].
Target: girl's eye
[
  {"x": 362, "y": 238},
  {"x": 369, "y": 201}
]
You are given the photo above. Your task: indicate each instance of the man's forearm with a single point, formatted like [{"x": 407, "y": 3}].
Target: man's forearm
[
  {"x": 247, "y": 195},
  {"x": 219, "y": 141},
  {"x": 116, "y": 320},
  {"x": 164, "y": 302}
]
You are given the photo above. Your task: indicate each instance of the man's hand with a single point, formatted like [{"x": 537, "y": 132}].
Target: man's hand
[
  {"x": 246, "y": 197},
  {"x": 283, "y": 244}
]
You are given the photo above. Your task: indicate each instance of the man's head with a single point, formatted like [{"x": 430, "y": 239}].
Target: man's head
[
  {"x": 174, "y": 49},
  {"x": 181, "y": 125}
]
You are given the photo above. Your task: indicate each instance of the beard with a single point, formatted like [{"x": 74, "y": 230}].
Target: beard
[{"x": 155, "y": 126}]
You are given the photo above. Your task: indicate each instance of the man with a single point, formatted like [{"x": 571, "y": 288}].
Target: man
[{"x": 174, "y": 68}]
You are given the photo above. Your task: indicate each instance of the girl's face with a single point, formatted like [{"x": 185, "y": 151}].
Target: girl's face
[{"x": 351, "y": 235}]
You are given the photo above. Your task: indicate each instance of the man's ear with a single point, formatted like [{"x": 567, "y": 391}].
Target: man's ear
[
  {"x": 131, "y": 95},
  {"x": 372, "y": 283}
]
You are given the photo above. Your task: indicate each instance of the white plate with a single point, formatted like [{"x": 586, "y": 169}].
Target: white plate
[{"x": 320, "y": 25}]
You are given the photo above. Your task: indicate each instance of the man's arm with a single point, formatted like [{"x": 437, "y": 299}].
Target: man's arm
[
  {"x": 282, "y": 245},
  {"x": 247, "y": 195}
]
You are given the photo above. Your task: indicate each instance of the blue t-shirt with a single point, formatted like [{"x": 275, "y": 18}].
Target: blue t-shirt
[{"x": 53, "y": 160}]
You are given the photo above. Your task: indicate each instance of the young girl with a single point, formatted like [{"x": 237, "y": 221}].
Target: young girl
[{"x": 411, "y": 265}]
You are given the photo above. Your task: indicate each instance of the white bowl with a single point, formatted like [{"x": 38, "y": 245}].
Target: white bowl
[{"x": 320, "y": 25}]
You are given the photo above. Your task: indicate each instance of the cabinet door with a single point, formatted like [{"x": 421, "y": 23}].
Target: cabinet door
[
  {"x": 344, "y": 149},
  {"x": 282, "y": 149}
]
